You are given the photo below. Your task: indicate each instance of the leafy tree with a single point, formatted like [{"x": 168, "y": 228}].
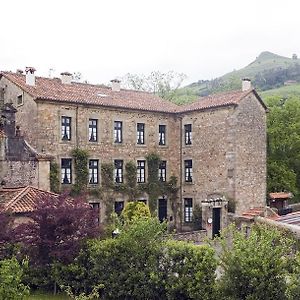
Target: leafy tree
[
  {"x": 135, "y": 210},
  {"x": 6, "y": 237},
  {"x": 283, "y": 144},
  {"x": 254, "y": 266},
  {"x": 127, "y": 266},
  {"x": 55, "y": 233},
  {"x": 189, "y": 271},
  {"x": 11, "y": 286},
  {"x": 141, "y": 264},
  {"x": 164, "y": 85}
]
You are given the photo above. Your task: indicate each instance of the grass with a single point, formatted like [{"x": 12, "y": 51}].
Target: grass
[{"x": 284, "y": 91}]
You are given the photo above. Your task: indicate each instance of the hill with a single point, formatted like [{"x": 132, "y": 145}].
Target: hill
[{"x": 267, "y": 71}]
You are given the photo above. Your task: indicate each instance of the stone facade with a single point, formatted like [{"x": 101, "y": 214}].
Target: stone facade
[
  {"x": 227, "y": 149},
  {"x": 20, "y": 164}
]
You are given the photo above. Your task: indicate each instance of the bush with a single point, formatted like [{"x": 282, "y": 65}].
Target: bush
[
  {"x": 255, "y": 267},
  {"x": 189, "y": 270},
  {"x": 135, "y": 210},
  {"x": 11, "y": 286}
]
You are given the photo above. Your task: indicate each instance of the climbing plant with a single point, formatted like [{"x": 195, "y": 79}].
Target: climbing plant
[
  {"x": 54, "y": 177},
  {"x": 130, "y": 187},
  {"x": 153, "y": 186},
  {"x": 81, "y": 170},
  {"x": 107, "y": 189}
]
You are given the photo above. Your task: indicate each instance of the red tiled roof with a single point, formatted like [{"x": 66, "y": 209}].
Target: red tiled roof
[
  {"x": 53, "y": 89},
  {"x": 22, "y": 199},
  {"x": 253, "y": 212},
  {"x": 82, "y": 93},
  {"x": 216, "y": 100},
  {"x": 280, "y": 195}
]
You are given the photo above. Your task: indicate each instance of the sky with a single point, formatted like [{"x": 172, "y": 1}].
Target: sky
[{"x": 105, "y": 39}]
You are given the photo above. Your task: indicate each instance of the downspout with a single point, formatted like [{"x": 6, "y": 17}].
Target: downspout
[
  {"x": 180, "y": 173},
  {"x": 77, "y": 134}
]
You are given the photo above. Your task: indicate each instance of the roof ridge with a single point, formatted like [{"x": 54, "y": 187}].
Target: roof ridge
[{"x": 22, "y": 192}]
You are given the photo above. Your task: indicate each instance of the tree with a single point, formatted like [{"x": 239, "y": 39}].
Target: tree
[
  {"x": 6, "y": 237},
  {"x": 141, "y": 264},
  {"x": 283, "y": 144},
  {"x": 135, "y": 210},
  {"x": 11, "y": 286},
  {"x": 164, "y": 85},
  {"x": 189, "y": 271},
  {"x": 55, "y": 234},
  {"x": 254, "y": 266}
]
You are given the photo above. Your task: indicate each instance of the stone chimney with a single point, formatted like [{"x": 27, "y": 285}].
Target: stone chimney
[
  {"x": 66, "y": 78},
  {"x": 115, "y": 85},
  {"x": 246, "y": 84},
  {"x": 30, "y": 77}
]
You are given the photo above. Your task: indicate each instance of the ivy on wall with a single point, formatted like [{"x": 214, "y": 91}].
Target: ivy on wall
[
  {"x": 81, "y": 171},
  {"x": 54, "y": 177}
]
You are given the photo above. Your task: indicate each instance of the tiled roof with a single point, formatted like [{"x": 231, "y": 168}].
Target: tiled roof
[
  {"x": 53, "y": 89},
  {"x": 82, "y": 93},
  {"x": 280, "y": 195},
  {"x": 22, "y": 199},
  {"x": 216, "y": 100}
]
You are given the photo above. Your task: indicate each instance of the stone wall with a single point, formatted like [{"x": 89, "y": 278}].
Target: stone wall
[
  {"x": 249, "y": 128},
  {"x": 191, "y": 236}
]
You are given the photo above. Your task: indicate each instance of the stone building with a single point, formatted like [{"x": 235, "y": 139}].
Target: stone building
[
  {"x": 20, "y": 164},
  {"x": 216, "y": 147}
]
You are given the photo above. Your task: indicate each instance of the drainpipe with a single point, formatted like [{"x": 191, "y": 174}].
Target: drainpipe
[
  {"x": 180, "y": 174},
  {"x": 77, "y": 134}
]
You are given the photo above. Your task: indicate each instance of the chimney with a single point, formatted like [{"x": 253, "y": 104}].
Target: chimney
[
  {"x": 30, "y": 77},
  {"x": 19, "y": 71},
  {"x": 246, "y": 84},
  {"x": 115, "y": 85},
  {"x": 66, "y": 78}
]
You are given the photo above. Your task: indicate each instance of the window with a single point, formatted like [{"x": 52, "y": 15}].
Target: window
[
  {"x": 162, "y": 134},
  {"x": 140, "y": 171},
  {"x": 118, "y": 174},
  {"x": 188, "y": 210},
  {"x": 96, "y": 207},
  {"x": 119, "y": 206},
  {"x": 93, "y": 171},
  {"x": 20, "y": 99},
  {"x": 162, "y": 170},
  {"x": 118, "y": 132},
  {"x": 188, "y": 167},
  {"x": 188, "y": 134},
  {"x": 65, "y": 128},
  {"x": 66, "y": 171},
  {"x": 140, "y": 133},
  {"x": 93, "y": 135}
]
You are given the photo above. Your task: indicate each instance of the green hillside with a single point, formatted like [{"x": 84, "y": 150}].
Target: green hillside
[{"x": 267, "y": 71}]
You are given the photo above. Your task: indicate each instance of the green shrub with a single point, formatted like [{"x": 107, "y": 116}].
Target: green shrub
[
  {"x": 189, "y": 271},
  {"x": 11, "y": 286},
  {"x": 135, "y": 210}
]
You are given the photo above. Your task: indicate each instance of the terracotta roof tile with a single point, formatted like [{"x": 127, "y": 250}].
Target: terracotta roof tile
[
  {"x": 82, "y": 93},
  {"x": 216, "y": 100},
  {"x": 22, "y": 199},
  {"x": 53, "y": 89},
  {"x": 280, "y": 195}
]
